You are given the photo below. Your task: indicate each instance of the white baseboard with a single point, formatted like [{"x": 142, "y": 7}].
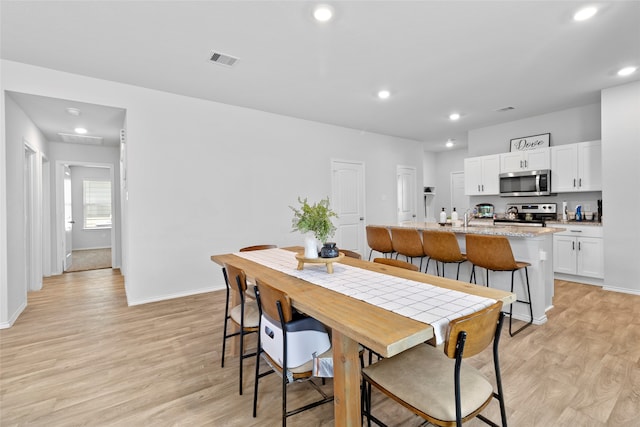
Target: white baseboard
[
  {"x": 171, "y": 296},
  {"x": 12, "y": 320},
  {"x": 622, "y": 290},
  {"x": 92, "y": 249},
  {"x": 525, "y": 318},
  {"x": 579, "y": 279}
]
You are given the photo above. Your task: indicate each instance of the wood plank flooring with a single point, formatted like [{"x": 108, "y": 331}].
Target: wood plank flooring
[{"x": 79, "y": 356}]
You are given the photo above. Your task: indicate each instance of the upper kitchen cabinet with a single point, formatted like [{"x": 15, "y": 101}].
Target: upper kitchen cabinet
[
  {"x": 481, "y": 175},
  {"x": 576, "y": 167},
  {"x": 521, "y": 161}
]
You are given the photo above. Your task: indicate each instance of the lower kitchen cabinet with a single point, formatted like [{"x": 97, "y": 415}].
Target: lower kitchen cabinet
[{"x": 579, "y": 251}]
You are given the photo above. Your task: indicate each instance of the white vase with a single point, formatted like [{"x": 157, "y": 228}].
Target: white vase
[{"x": 310, "y": 247}]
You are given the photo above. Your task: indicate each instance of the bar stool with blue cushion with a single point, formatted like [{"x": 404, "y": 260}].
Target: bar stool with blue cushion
[
  {"x": 245, "y": 316},
  {"x": 494, "y": 253}
]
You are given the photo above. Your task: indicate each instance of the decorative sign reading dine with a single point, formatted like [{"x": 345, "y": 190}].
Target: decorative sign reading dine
[{"x": 528, "y": 143}]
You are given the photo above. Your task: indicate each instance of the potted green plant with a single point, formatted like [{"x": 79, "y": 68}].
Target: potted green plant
[{"x": 316, "y": 219}]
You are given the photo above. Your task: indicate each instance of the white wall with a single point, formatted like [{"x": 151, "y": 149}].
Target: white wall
[
  {"x": 19, "y": 129},
  {"x": 565, "y": 126},
  {"x": 87, "y": 238},
  {"x": 621, "y": 175},
  {"x": 206, "y": 178}
]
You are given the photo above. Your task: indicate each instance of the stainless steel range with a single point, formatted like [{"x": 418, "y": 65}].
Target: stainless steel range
[{"x": 528, "y": 214}]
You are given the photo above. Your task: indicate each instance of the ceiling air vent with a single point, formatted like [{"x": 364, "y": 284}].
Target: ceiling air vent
[
  {"x": 502, "y": 110},
  {"x": 222, "y": 59},
  {"x": 80, "y": 139}
]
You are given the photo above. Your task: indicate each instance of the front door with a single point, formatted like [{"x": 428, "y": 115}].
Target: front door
[
  {"x": 406, "y": 179},
  {"x": 347, "y": 182},
  {"x": 68, "y": 218}
]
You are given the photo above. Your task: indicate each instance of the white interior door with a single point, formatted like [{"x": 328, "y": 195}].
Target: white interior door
[
  {"x": 347, "y": 187},
  {"x": 458, "y": 198},
  {"x": 406, "y": 180},
  {"x": 68, "y": 217},
  {"x": 28, "y": 216}
]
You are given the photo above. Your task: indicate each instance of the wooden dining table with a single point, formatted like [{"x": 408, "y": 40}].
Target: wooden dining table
[{"x": 355, "y": 322}]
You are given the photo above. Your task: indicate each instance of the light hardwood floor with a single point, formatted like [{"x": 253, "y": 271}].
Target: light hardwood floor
[{"x": 79, "y": 356}]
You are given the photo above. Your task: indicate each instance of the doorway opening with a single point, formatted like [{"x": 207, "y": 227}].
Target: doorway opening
[{"x": 86, "y": 208}]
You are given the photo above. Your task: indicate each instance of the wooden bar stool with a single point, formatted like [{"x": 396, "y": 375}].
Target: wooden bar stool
[
  {"x": 245, "y": 316},
  {"x": 397, "y": 263},
  {"x": 379, "y": 240},
  {"x": 250, "y": 284},
  {"x": 350, "y": 254},
  {"x": 494, "y": 253},
  {"x": 407, "y": 242},
  {"x": 442, "y": 246}
]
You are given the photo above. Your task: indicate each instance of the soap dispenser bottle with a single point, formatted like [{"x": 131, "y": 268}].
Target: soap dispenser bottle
[
  {"x": 579, "y": 213},
  {"x": 443, "y": 216},
  {"x": 454, "y": 215}
]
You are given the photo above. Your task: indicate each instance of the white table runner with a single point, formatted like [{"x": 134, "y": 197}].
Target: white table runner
[{"x": 417, "y": 300}]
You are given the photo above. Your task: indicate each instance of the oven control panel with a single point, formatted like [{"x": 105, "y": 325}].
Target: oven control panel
[{"x": 534, "y": 208}]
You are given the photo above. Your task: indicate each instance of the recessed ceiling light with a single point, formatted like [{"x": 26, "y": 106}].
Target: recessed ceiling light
[
  {"x": 384, "y": 94},
  {"x": 627, "y": 71},
  {"x": 323, "y": 13},
  {"x": 73, "y": 111},
  {"x": 454, "y": 116},
  {"x": 584, "y": 14},
  {"x": 449, "y": 143},
  {"x": 81, "y": 131}
]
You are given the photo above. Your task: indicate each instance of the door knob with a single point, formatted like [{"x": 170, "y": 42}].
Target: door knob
[{"x": 72, "y": 222}]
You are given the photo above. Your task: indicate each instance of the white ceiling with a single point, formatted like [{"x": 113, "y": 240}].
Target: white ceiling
[
  {"x": 51, "y": 117},
  {"x": 436, "y": 57}
]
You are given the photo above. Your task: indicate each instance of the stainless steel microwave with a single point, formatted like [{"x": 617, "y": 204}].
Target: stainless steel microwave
[{"x": 530, "y": 183}]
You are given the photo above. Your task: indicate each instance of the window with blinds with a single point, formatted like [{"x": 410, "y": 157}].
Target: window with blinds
[{"x": 96, "y": 199}]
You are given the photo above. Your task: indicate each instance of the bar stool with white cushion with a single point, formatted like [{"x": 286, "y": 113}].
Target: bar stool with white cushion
[
  {"x": 437, "y": 385},
  {"x": 245, "y": 316}
]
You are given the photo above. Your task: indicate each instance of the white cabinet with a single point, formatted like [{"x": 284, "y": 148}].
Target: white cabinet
[
  {"x": 576, "y": 167},
  {"x": 579, "y": 251},
  {"x": 520, "y": 161},
  {"x": 481, "y": 175}
]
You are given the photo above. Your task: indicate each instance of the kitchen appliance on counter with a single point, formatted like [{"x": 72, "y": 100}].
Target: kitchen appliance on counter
[
  {"x": 484, "y": 210},
  {"x": 528, "y": 214},
  {"x": 530, "y": 183}
]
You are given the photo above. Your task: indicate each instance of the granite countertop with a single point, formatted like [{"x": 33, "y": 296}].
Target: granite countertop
[
  {"x": 574, "y": 222},
  {"x": 491, "y": 230}
]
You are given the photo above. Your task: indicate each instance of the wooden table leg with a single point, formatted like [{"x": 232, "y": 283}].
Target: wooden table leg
[
  {"x": 346, "y": 381},
  {"x": 235, "y": 341}
]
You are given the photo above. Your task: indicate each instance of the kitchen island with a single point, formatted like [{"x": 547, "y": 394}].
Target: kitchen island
[{"x": 530, "y": 244}]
